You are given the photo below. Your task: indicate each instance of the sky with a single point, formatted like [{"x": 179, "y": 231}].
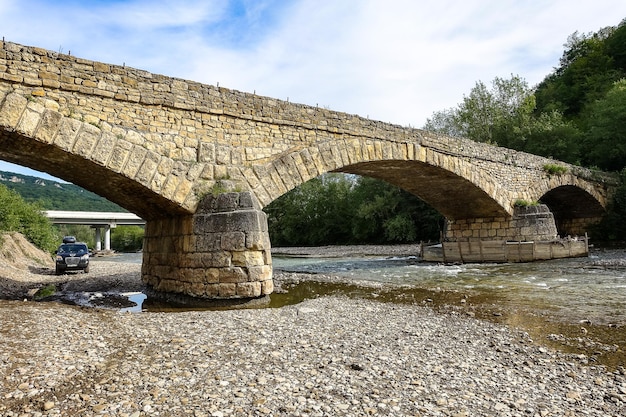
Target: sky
[{"x": 397, "y": 61}]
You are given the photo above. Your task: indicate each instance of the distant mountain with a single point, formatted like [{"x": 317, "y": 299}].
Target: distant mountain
[{"x": 52, "y": 195}]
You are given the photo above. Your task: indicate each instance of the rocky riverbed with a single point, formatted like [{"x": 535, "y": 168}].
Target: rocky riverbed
[{"x": 326, "y": 356}]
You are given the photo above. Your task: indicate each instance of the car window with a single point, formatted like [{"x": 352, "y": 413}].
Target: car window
[{"x": 72, "y": 248}]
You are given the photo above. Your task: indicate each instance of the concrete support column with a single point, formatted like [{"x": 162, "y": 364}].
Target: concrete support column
[
  {"x": 107, "y": 237},
  {"x": 221, "y": 252},
  {"x": 98, "y": 238}
]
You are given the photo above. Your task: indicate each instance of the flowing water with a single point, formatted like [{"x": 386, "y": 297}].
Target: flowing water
[
  {"x": 573, "y": 290},
  {"x": 575, "y": 305}
]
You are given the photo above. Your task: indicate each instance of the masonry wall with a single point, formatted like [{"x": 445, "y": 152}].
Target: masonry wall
[{"x": 535, "y": 223}]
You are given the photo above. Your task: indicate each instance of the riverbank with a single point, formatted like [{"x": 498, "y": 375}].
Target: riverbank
[
  {"x": 327, "y": 356},
  {"x": 331, "y": 355}
]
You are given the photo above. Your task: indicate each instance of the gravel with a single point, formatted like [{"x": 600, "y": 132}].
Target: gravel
[{"x": 327, "y": 356}]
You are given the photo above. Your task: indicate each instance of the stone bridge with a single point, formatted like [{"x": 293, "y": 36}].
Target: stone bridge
[{"x": 199, "y": 162}]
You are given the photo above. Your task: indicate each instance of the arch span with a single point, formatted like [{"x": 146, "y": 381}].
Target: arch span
[
  {"x": 574, "y": 209},
  {"x": 452, "y": 186},
  {"x": 106, "y": 163}
]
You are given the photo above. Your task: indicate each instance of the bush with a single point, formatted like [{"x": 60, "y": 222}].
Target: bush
[
  {"x": 16, "y": 215},
  {"x": 127, "y": 238},
  {"x": 553, "y": 169}
]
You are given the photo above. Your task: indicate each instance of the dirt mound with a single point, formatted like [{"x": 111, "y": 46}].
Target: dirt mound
[{"x": 19, "y": 253}]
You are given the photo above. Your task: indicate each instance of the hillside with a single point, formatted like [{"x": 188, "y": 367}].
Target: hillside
[{"x": 52, "y": 195}]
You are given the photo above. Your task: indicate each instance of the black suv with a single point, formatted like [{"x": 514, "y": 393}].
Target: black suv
[{"x": 72, "y": 256}]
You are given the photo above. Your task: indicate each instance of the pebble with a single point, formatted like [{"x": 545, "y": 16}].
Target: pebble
[{"x": 331, "y": 355}]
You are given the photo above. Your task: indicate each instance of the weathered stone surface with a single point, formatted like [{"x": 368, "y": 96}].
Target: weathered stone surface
[{"x": 208, "y": 254}]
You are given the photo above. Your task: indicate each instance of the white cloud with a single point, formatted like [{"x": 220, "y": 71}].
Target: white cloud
[{"x": 394, "y": 60}]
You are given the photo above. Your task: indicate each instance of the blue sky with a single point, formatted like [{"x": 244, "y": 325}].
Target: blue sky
[{"x": 398, "y": 61}]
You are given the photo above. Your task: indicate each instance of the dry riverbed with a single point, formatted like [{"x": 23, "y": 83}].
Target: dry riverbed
[{"x": 327, "y": 356}]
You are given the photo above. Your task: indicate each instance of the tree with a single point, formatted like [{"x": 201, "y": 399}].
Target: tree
[
  {"x": 16, "y": 215},
  {"x": 127, "y": 238},
  {"x": 498, "y": 115},
  {"x": 590, "y": 64},
  {"x": 347, "y": 209},
  {"x": 605, "y": 140},
  {"x": 317, "y": 212},
  {"x": 505, "y": 115}
]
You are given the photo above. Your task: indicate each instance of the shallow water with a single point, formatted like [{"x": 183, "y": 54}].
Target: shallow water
[{"x": 573, "y": 290}]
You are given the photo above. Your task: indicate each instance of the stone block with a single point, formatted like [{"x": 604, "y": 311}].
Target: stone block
[
  {"x": 226, "y": 202},
  {"x": 12, "y": 109},
  {"x": 197, "y": 289},
  {"x": 212, "y": 290},
  {"x": 232, "y": 274},
  {"x": 220, "y": 259},
  {"x": 259, "y": 273},
  {"x": 67, "y": 133},
  {"x": 248, "y": 258},
  {"x": 232, "y": 241},
  {"x": 196, "y": 275},
  {"x": 29, "y": 122},
  {"x": 240, "y": 221},
  {"x": 267, "y": 287},
  {"x": 212, "y": 275},
  {"x": 249, "y": 289},
  {"x": 227, "y": 290},
  {"x": 258, "y": 241}
]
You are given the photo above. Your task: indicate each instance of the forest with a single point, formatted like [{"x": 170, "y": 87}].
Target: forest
[{"x": 575, "y": 114}]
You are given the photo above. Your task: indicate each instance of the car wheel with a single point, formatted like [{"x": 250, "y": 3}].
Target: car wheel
[
  {"x": 86, "y": 270},
  {"x": 58, "y": 271}
]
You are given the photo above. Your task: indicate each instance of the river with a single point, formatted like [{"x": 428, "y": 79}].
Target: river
[
  {"x": 576, "y": 305},
  {"x": 574, "y": 290}
]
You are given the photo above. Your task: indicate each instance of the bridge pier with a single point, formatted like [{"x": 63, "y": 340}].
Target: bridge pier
[
  {"x": 220, "y": 252},
  {"x": 107, "y": 237},
  {"x": 533, "y": 223}
]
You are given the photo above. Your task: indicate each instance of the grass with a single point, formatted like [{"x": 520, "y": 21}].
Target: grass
[
  {"x": 525, "y": 203},
  {"x": 44, "y": 292},
  {"x": 554, "y": 169}
]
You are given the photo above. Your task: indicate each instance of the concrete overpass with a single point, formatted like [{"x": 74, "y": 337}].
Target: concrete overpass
[{"x": 97, "y": 220}]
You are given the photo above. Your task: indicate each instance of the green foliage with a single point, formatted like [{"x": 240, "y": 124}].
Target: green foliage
[
  {"x": 587, "y": 70},
  {"x": 613, "y": 225},
  {"x": 554, "y": 169},
  {"x": 345, "y": 209},
  {"x": 16, "y": 215},
  {"x": 52, "y": 195},
  {"x": 44, "y": 292},
  {"x": 525, "y": 203},
  {"x": 127, "y": 238},
  {"x": 605, "y": 139},
  {"x": 81, "y": 232},
  {"x": 499, "y": 115}
]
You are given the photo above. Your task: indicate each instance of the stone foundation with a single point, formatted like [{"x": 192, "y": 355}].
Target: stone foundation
[
  {"x": 221, "y": 252},
  {"x": 534, "y": 223},
  {"x": 577, "y": 227}
]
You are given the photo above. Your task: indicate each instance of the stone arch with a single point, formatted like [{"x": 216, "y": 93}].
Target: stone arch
[
  {"x": 574, "y": 208},
  {"x": 576, "y": 185},
  {"x": 451, "y": 185},
  {"x": 113, "y": 165}
]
